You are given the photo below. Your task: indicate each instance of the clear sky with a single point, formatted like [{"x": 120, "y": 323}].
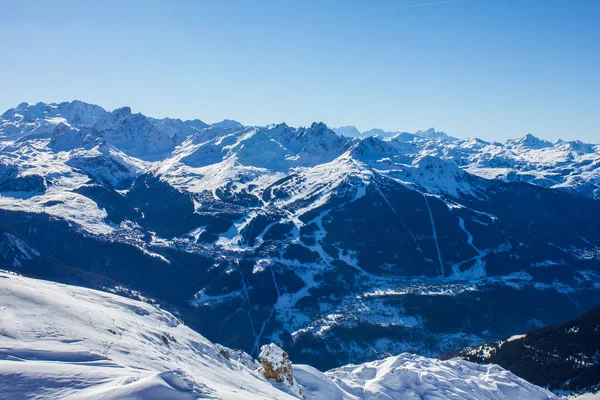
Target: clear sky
[{"x": 487, "y": 68}]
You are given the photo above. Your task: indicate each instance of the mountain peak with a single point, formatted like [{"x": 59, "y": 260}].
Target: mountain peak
[
  {"x": 320, "y": 126},
  {"x": 348, "y": 131},
  {"x": 532, "y": 142},
  {"x": 74, "y": 112},
  {"x": 318, "y": 129},
  {"x": 431, "y": 133},
  {"x": 372, "y": 147},
  {"x": 530, "y": 137},
  {"x": 122, "y": 112},
  {"x": 576, "y": 146},
  {"x": 379, "y": 132},
  {"x": 228, "y": 124},
  {"x": 196, "y": 124},
  {"x": 278, "y": 127},
  {"x": 23, "y": 105}
]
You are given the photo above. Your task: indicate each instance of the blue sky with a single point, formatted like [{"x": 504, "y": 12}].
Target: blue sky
[{"x": 487, "y": 68}]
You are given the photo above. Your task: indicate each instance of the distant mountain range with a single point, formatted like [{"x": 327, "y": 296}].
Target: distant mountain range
[
  {"x": 340, "y": 249},
  {"x": 572, "y": 166},
  {"x": 352, "y": 132}
]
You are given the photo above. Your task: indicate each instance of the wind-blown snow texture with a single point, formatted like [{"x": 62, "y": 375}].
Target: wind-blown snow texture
[
  {"x": 327, "y": 245},
  {"x": 66, "y": 342}
]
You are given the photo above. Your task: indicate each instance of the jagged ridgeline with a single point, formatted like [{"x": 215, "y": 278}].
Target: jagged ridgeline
[{"x": 340, "y": 249}]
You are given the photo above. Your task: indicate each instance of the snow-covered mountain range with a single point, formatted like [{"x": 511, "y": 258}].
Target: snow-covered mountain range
[
  {"x": 66, "y": 342},
  {"x": 352, "y": 248},
  {"x": 572, "y": 166}
]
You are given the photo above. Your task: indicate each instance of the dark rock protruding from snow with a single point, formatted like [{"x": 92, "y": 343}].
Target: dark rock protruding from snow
[{"x": 276, "y": 364}]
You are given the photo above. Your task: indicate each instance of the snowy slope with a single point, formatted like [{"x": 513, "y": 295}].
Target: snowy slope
[
  {"x": 66, "y": 342},
  {"x": 409, "y": 376},
  {"x": 61, "y": 341}
]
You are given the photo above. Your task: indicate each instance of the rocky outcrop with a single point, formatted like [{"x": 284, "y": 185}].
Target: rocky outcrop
[{"x": 276, "y": 364}]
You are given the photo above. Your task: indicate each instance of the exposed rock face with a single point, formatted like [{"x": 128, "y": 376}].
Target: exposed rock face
[{"x": 276, "y": 364}]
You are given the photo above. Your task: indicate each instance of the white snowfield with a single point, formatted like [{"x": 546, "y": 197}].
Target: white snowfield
[
  {"x": 59, "y": 341},
  {"x": 65, "y": 342}
]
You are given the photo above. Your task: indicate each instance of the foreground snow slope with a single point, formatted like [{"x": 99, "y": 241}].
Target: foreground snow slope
[
  {"x": 409, "y": 377},
  {"x": 60, "y": 341}
]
